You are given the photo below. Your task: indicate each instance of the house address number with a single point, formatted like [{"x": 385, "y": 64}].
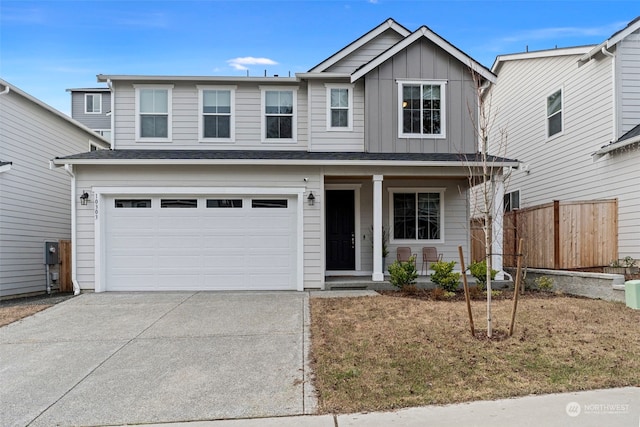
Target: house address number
[{"x": 96, "y": 207}]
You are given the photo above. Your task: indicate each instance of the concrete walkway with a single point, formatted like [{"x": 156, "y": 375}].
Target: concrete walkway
[
  {"x": 612, "y": 408},
  {"x": 132, "y": 358}
]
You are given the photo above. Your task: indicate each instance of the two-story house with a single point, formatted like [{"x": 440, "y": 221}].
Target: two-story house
[
  {"x": 92, "y": 108},
  {"x": 35, "y": 202},
  {"x": 277, "y": 182},
  {"x": 572, "y": 116}
]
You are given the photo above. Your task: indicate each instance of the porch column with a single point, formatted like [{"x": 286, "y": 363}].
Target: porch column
[
  {"x": 378, "y": 274},
  {"x": 497, "y": 237}
]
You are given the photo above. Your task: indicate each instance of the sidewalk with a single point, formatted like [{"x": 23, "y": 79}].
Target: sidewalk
[{"x": 619, "y": 407}]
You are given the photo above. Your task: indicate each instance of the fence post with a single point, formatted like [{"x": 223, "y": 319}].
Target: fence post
[
  {"x": 556, "y": 235},
  {"x": 65, "y": 266}
]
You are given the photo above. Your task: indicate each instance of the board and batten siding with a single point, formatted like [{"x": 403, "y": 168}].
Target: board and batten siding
[
  {"x": 366, "y": 53},
  {"x": 35, "y": 201},
  {"x": 92, "y": 121},
  {"x": 562, "y": 168},
  {"x": 185, "y": 111},
  {"x": 628, "y": 54},
  {"x": 270, "y": 177},
  {"x": 423, "y": 60},
  {"x": 322, "y": 139}
]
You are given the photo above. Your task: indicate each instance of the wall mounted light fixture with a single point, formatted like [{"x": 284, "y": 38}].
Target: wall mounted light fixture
[
  {"x": 84, "y": 198},
  {"x": 311, "y": 199}
]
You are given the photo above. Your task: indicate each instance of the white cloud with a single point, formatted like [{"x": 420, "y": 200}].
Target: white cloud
[
  {"x": 557, "y": 33},
  {"x": 241, "y": 63}
]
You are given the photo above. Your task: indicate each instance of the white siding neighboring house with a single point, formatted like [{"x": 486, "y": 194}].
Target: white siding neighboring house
[
  {"x": 254, "y": 183},
  {"x": 35, "y": 201},
  {"x": 573, "y": 119}
]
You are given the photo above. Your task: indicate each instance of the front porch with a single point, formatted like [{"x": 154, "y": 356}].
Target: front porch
[{"x": 365, "y": 282}]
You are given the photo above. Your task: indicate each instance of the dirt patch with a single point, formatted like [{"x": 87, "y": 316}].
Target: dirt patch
[
  {"x": 395, "y": 351},
  {"x": 14, "y": 309}
]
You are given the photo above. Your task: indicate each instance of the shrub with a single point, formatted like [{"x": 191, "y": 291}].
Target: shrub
[
  {"x": 404, "y": 273},
  {"x": 544, "y": 283},
  {"x": 444, "y": 276},
  {"x": 479, "y": 271}
]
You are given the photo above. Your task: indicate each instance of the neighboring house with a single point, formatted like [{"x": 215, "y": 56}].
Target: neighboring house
[
  {"x": 92, "y": 108},
  {"x": 277, "y": 182},
  {"x": 573, "y": 119},
  {"x": 35, "y": 201}
]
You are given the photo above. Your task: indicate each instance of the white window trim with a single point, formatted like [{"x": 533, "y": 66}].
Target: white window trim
[
  {"x": 349, "y": 88},
  {"x": 232, "y": 121},
  {"x": 443, "y": 109},
  {"x": 99, "y": 98},
  {"x": 510, "y": 194},
  {"x": 169, "y": 89},
  {"x": 416, "y": 241},
  {"x": 546, "y": 114},
  {"x": 263, "y": 115}
]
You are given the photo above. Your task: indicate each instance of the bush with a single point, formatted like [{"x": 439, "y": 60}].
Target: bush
[
  {"x": 479, "y": 271},
  {"x": 444, "y": 276},
  {"x": 404, "y": 273},
  {"x": 544, "y": 283}
]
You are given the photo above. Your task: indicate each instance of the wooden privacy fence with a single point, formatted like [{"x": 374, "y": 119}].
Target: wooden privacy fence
[{"x": 557, "y": 235}]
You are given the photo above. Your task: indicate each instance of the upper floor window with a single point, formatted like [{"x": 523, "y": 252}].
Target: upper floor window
[
  {"x": 512, "y": 201},
  {"x": 106, "y": 133},
  {"x": 339, "y": 107},
  {"x": 279, "y": 109},
  {"x": 216, "y": 119},
  {"x": 93, "y": 103},
  {"x": 421, "y": 109},
  {"x": 417, "y": 214},
  {"x": 554, "y": 114},
  {"x": 153, "y": 118}
]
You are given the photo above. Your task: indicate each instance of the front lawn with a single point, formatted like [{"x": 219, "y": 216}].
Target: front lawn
[{"x": 388, "y": 352}]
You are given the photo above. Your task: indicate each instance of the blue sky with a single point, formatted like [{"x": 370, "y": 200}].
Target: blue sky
[{"x": 49, "y": 46}]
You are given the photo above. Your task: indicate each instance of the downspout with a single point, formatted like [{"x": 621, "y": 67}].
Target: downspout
[
  {"x": 6, "y": 90},
  {"x": 113, "y": 114},
  {"x": 614, "y": 132},
  {"x": 74, "y": 251}
]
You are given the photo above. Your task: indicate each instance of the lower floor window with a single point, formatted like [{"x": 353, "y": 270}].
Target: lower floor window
[{"x": 417, "y": 215}]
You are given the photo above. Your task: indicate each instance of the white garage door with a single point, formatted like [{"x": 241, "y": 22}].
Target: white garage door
[{"x": 200, "y": 243}]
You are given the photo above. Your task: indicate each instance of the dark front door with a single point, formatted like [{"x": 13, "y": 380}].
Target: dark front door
[{"x": 340, "y": 228}]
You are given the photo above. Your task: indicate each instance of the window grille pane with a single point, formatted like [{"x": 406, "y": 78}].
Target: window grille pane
[
  {"x": 179, "y": 203},
  {"x": 279, "y": 127},
  {"x": 428, "y": 216},
  {"x": 217, "y": 127},
  {"x": 153, "y": 126},
  {"x": 133, "y": 203},
  {"x": 269, "y": 203},
  {"x": 555, "y": 124},
  {"x": 404, "y": 216},
  {"x": 554, "y": 103},
  {"x": 339, "y": 98},
  {"x": 154, "y": 101},
  {"x": 339, "y": 118},
  {"x": 224, "y": 203}
]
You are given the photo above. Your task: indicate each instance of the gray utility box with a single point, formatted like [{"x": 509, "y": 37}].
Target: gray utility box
[{"x": 51, "y": 253}]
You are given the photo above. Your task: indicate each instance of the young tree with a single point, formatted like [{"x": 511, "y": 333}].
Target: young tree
[{"x": 487, "y": 183}]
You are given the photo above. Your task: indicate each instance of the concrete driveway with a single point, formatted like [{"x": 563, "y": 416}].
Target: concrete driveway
[{"x": 129, "y": 358}]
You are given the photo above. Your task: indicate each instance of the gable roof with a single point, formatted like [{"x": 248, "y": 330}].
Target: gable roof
[
  {"x": 425, "y": 32},
  {"x": 616, "y": 38},
  {"x": 99, "y": 140},
  {"x": 536, "y": 54},
  {"x": 361, "y": 41}
]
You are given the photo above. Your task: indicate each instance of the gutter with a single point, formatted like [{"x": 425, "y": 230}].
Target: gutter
[
  {"x": 74, "y": 251},
  {"x": 614, "y": 146}
]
